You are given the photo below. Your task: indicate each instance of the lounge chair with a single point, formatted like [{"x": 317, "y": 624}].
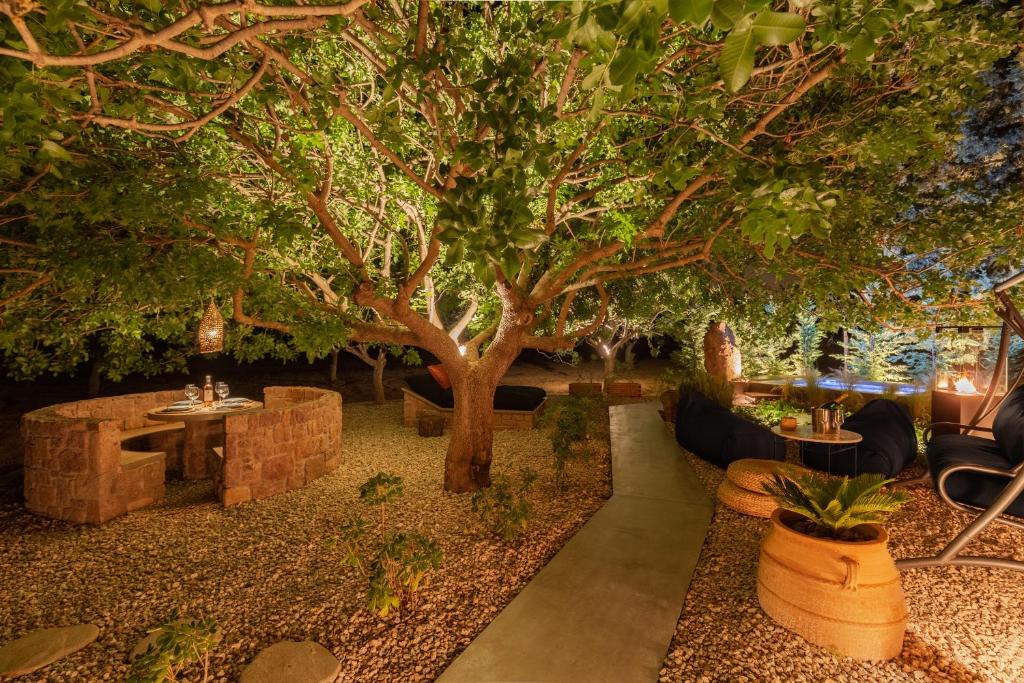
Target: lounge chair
[
  {"x": 720, "y": 436},
  {"x": 975, "y": 474},
  {"x": 889, "y": 445},
  {"x": 515, "y": 407}
]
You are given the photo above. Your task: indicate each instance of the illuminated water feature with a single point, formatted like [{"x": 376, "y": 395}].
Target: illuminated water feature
[{"x": 836, "y": 384}]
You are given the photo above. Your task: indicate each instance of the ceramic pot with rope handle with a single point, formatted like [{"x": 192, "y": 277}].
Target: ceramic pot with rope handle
[{"x": 842, "y": 595}]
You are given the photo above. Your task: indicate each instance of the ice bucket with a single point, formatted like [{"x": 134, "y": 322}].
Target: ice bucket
[{"x": 826, "y": 420}]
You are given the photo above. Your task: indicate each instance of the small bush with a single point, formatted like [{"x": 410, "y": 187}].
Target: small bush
[
  {"x": 394, "y": 563},
  {"x": 179, "y": 644},
  {"x": 718, "y": 389},
  {"x": 769, "y": 413},
  {"x": 503, "y": 507},
  {"x": 572, "y": 426}
]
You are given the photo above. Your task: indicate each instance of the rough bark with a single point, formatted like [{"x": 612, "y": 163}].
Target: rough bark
[
  {"x": 609, "y": 365},
  {"x": 95, "y": 378},
  {"x": 467, "y": 466},
  {"x": 332, "y": 373},
  {"x": 378, "y": 375}
]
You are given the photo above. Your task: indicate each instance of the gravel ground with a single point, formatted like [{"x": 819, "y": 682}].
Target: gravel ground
[
  {"x": 964, "y": 624},
  {"x": 262, "y": 572}
]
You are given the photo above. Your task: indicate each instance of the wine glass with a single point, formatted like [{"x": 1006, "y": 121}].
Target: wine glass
[
  {"x": 222, "y": 390},
  {"x": 191, "y": 393}
]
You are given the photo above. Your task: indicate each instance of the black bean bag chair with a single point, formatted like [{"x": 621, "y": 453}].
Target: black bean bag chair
[
  {"x": 720, "y": 436},
  {"x": 889, "y": 445},
  {"x": 506, "y": 397},
  {"x": 1005, "y": 452}
]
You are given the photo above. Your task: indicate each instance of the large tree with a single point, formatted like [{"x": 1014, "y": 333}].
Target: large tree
[{"x": 510, "y": 159}]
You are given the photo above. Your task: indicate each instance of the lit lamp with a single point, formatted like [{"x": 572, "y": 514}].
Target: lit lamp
[{"x": 211, "y": 330}]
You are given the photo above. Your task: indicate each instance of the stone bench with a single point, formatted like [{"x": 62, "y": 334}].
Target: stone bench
[
  {"x": 76, "y": 468},
  {"x": 292, "y": 440}
]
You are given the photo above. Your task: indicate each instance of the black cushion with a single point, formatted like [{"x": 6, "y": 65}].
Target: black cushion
[
  {"x": 972, "y": 488},
  {"x": 889, "y": 445},
  {"x": 720, "y": 436},
  {"x": 1008, "y": 427},
  {"x": 506, "y": 397}
]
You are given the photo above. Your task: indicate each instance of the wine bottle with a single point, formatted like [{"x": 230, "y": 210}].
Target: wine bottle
[
  {"x": 835, "y": 404},
  {"x": 208, "y": 391}
]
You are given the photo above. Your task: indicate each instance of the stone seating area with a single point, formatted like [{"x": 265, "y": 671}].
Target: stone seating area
[
  {"x": 77, "y": 466},
  {"x": 292, "y": 440}
]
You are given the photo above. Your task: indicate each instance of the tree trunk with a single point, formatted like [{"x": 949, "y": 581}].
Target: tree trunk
[
  {"x": 332, "y": 374},
  {"x": 609, "y": 364},
  {"x": 467, "y": 466},
  {"x": 95, "y": 377},
  {"x": 378, "y": 376}
]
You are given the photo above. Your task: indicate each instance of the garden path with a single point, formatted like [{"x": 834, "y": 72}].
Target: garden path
[{"x": 605, "y": 607}]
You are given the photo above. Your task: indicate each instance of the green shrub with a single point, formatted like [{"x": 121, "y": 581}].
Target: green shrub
[
  {"x": 718, "y": 389},
  {"x": 769, "y": 413},
  {"x": 503, "y": 507},
  {"x": 394, "y": 563},
  {"x": 575, "y": 427},
  {"x": 179, "y": 644},
  {"x": 833, "y": 507}
]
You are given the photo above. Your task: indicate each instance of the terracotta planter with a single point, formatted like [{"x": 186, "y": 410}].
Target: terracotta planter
[
  {"x": 584, "y": 388},
  {"x": 623, "y": 389},
  {"x": 843, "y": 596}
]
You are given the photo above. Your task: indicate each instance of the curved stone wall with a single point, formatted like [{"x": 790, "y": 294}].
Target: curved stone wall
[
  {"x": 293, "y": 440},
  {"x": 73, "y": 458}
]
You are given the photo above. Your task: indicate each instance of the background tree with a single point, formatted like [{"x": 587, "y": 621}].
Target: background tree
[{"x": 520, "y": 157}]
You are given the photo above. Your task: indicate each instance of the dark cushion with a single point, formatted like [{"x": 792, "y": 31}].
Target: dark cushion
[
  {"x": 1008, "y": 427},
  {"x": 506, "y": 397},
  {"x": 971, "y": 488},
  {"x": 889, "y": 445},
  {"x": 720, "y": 436}
]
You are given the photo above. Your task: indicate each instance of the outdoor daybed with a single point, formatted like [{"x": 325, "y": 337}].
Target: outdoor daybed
[
  {"x": 720, "y": 436},
  {"x": 889, "y": 445},
  {"x": 515, "y": 407}
]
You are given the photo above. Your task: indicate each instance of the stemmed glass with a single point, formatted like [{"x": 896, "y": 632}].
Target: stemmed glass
[
  {"x": 191, "y": 393},
  {"x": 222, "y": 390}
]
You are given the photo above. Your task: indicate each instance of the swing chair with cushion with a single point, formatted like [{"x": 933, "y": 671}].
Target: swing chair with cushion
[{"x": 982, "y": 475}]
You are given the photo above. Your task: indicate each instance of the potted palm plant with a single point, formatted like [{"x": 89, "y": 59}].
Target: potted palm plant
[{"x": 825, "y": 571}]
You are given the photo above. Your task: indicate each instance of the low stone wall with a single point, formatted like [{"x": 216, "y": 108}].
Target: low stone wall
[
  {"x": 293, "y": 440},
  {"x": 73, "y": 458}
]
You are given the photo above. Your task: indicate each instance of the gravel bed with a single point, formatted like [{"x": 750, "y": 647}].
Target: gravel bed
[
  {"x": 965, "y": 624},
  {"x": 262, "y": 571}
]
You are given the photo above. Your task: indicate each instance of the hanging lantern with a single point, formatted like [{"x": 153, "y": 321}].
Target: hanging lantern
[{"x": 211, "y": 330}]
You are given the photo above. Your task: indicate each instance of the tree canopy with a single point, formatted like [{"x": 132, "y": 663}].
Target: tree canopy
[{"x": 471, "y": 178}]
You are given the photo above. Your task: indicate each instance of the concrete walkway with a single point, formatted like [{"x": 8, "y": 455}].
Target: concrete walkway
[{"x": 605, "y": 607}]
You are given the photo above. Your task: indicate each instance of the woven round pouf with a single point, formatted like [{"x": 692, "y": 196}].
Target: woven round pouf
[
  {"x": 753, "y": 473},
  {"x": 744, "y": 501},
  {"x": 743, "y": 486}
]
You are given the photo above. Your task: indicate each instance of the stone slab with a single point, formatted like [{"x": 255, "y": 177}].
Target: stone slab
[
  {"x": 41, "y": 648},
  {"x": 294, "y": 662},
  {"x": 604, "y": 609}
]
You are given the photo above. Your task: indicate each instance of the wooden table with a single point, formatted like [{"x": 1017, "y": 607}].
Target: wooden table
[
  {"x": 204, "y": 429},
  {"x": 835, "y": 442}
]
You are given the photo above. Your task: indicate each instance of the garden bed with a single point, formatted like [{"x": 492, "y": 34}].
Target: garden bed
[
  {"x": 963, "y": 624},
  {"x": 263, "y": 571}
]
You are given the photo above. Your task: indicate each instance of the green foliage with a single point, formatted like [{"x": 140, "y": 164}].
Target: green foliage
[
  {"x": 503, "y": 507},
  {"x": 809, "y": 393},
  {"x": 836, "y": 505},
  {"x": 769, "y": 413},
  {"x": 718, "y": 389},
  {"x": 810, "y": 336},
  {"x": 180, "y": 644},
  {"x": 572, "y": 425},
  {"x": 395, "y": 564},
  {"x": 876, "y": 355}
]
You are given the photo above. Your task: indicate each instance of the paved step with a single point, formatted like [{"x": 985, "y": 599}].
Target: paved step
[{"x": 606, "y": 606}]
